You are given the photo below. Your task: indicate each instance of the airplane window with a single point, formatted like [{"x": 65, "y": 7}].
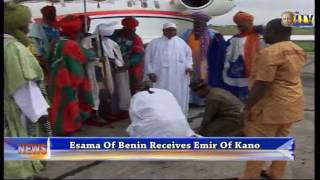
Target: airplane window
[
  {"x": 156, "y": 4},
  {"x": 98, "y": 1},
  {"x": 144, "y": 3},
  {"x": 195, "y": 3},
  {"x": 130, "y": 4}
]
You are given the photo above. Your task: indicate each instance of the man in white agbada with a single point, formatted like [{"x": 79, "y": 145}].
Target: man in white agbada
[
  {"x": 168, "y": 63},
  {"x": 155, "y": 113},
  {"x": 117, "y": 79}
]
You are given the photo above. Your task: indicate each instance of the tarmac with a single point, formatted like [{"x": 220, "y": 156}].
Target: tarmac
[{"x": 301, "y": 168}]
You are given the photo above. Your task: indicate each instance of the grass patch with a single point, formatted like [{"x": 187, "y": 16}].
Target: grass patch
[
  {"x": 226, "y": 30},
  {"x": 302, "y": 31},
  {"x": 308, "y": 46}
]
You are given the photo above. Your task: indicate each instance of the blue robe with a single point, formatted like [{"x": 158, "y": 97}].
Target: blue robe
[
  {"x": 216, "y": 62},
  {"x": 195, "y": 99}
]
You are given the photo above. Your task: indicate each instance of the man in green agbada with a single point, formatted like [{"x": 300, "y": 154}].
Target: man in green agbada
[{"x": 25, "y": 108}]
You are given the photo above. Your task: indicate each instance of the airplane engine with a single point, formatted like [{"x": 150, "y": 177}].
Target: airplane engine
[{"x": 212, "y": 7}]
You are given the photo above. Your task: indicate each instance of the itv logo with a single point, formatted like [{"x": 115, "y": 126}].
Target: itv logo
[{"x": 296, "y": 19}]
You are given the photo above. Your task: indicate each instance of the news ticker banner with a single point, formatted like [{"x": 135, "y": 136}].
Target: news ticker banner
[{"x": 116, "y": 148}]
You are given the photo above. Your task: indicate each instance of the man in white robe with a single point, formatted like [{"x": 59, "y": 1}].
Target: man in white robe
[
  {"x": 118, "y": 78},
  {"x": 155, "y": 113},
  {"x": 168, "y": 63}
]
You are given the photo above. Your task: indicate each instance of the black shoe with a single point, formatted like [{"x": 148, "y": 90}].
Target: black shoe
[
  {"x": 94, "y": 115},
  {"x": 265, "y": 175}
]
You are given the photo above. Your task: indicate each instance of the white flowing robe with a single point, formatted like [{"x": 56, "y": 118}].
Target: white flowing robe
[
  {"x": 157, "y": 115},
  {"x": 169, "y": 59},
  {"x": 122, "y": 83},
  {"x": 31, "y": 103}
]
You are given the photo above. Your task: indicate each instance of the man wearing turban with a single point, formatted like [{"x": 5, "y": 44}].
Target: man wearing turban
[
  {"x": 69, "y": 85},
  {"x": 199, "y": 39},
  {"x": 132, "y": 50},
  {"x": 115, "y": 95},
  {"x": 240, "y": 54},
  {"x": 130, "y": 23},
  {"x": 25, "y": 108}
]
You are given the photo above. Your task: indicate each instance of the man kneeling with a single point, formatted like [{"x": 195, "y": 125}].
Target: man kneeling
[
  {"x": 156, "y": 113},
  {"x": 222, "y": 111}
]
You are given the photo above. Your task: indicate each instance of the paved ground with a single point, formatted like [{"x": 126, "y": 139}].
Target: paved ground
[{"x": 301, "y": 168}]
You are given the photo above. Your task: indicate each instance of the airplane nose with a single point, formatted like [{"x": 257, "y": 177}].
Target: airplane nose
[{"x": 212, "y": 7}]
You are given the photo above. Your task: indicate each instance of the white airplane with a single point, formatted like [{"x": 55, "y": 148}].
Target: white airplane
[{"x": 152, "y": 14}]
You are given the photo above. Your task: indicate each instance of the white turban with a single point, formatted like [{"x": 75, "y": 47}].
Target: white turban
[
  {"x": 105, "y": 29},
  {"x": 169, "y": 25}
]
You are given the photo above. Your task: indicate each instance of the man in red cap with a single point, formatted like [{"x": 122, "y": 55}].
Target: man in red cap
[
  {"x": 44, "y": 34},
  {"x": 132, "y": 50},
  {"x": 240, "y": 54}
]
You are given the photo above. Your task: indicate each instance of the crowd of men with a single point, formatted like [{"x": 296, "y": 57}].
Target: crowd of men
[{"x": 58, "y": 76}]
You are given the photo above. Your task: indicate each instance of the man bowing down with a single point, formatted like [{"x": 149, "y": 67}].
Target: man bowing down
[{"x": 168, "y": 63}]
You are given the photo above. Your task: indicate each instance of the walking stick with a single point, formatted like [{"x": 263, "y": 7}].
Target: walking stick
[{"x": 105, "y": 61}]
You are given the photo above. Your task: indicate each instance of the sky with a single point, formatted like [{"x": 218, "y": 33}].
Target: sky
[{"x": 265, "y": 10}]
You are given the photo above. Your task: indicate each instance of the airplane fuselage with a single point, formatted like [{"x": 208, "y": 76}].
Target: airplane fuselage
[{"x": 151, "y": 14}]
